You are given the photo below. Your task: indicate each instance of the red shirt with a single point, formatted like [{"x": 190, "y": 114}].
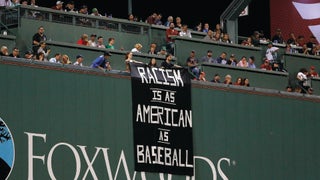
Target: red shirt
[
  {"x": 170, "y": 32},
  {"x": 82, "y": 42}
]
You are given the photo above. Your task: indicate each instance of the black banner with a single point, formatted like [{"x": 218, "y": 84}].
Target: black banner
[{"x": 162, "y": 119}]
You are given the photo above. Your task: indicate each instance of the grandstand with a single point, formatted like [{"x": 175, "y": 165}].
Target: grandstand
[{"x": 70, "y": 122}]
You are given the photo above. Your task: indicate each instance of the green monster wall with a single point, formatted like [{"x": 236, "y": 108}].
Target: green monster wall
[{"x": 77, "y": 124}]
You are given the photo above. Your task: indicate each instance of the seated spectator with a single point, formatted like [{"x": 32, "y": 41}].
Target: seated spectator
[
  {"x": 169, "y": 20},
  {"x": 70, "y": 7},
  {"x": 152, "y": 50},
  {"x": 232, "y": 60},
  {"x": 185, "y": 32},
  {"x": 206, "y": 27},
  {"x": 153, "y": 62},
  {"x": 266, "y": 65},
  {"x": 152, "y": 18},
  {"x": 158, "y": 20},
  {"x": 137, "y": 48},
  {"x": 167, "y": 64},
  {"x": 95, "y": 12},
  {"x": 246, "y": 82},
  {"x": 66, "y": 59},
  {"x": 192, "y": 64},
  {"x": 247, "y": 42},
  {"x": 202, "y": 76},
  {"x": 227, "y": 79},
  {"x": 256, "y": 37},
  {"x": 93, "y": 40},
  {"x": 304, "y": 50},
  {"x": 110, "y": 44},
  {"x": 82, "y": 20},
  {"x": 311, "y": 44},
  {"x": 43, "y": 48},
  {"x": 243, "y": 62},
  {"x": 58, "y": 6},
  {"x": 131, "y": 17},
  {"x": 217, "y": 36},
  {"x": 278, "y": 38},
  {"x": 239, "y": 82},
  {"x": 221, "y": 59},
  {"x": 56, "y": 58},
  {"x": 84, "y": 40},
  {"x": 225, "y": 38},
  {"x": 313, "y": 72},
  {"x": 79, "y": 60},
  {"x": 28, "y": 55},
  {"x": 15, "y": 53},
  {"x": 102, "y": 62},
  {"x": 100, "y": 43},
  {"x": 178, "y": 22},
  {"x": 216, "y": 78},
  {"x": 163, "y": 52},
  {"x": 4, "y": 51},
  {"x": 207, "y": 58},
  {"x": 251, "y": 63},
  {"x": 209, "y": 36},
  {"x": 198, "y": 27},
  {"x": 40, "y": 57}
]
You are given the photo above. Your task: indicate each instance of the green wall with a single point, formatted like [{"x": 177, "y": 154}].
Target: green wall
[
  {"x": 184, "y": 46},
  {"x": 70, "y": 34},
  {"x": 71, "y": 115},
  {"x": 8, "y": 40},
  {"x": 257, "y": 77}
]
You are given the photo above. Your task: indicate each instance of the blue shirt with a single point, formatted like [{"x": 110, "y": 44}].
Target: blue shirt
[{"x": 99, "y": 61}]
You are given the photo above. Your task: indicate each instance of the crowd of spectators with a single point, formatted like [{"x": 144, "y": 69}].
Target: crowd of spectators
[{"x": 175, "y": 27}]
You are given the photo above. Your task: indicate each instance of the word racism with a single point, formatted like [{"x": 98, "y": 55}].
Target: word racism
[
  {"x": 162, "y": 120},
  {"x": 171, "y": 77}
]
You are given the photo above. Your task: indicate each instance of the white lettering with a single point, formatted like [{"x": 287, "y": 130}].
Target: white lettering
[
  {"x": 30, "y": 152},
  {"x": 171, "y": 77},
  {"x": 76, "y": 156},
  {"x": 89, "y": 163},
  {"x": 156, "y": 115},
  {"x": 221, "y": 173},
  {"x": 145, "y": 154}
]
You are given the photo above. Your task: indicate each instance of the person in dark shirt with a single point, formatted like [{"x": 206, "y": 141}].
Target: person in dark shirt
[
  {"x": 37, "y": 38},
  {"x": 15, "y": 53},
  {"x": 167, "y": 63}
]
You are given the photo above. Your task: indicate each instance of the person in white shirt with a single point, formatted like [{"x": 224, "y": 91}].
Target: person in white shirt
[
  {"x": 79, "y": 60},
  {"x": 185, "y": 32},
  {"x": 137, "y": 48},
  {"x": 271, "y": 52},
  {"x": 56, "y": 58}
]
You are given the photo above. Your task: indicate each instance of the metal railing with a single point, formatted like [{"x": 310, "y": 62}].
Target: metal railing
[
  {"x": 8, "y": 18},
  {"x": 77, "y": 19}
]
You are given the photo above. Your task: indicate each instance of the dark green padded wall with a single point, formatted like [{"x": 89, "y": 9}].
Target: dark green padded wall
[{"x": 246, "y": 134}]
